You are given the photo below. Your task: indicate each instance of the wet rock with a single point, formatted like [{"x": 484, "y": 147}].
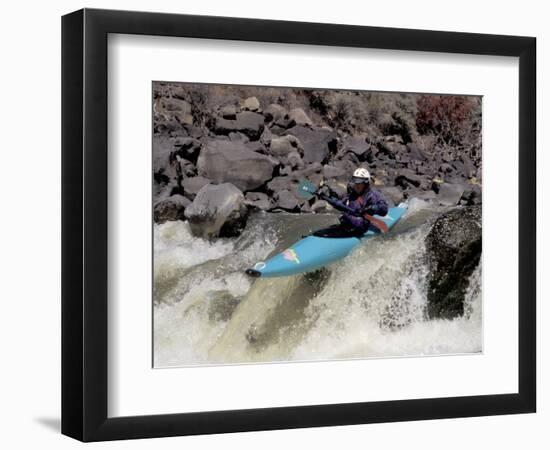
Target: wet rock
[
  {"x": 247, "y": 122},
  {"x": 317, "y": 143},
  {"x": 217, "y": 210},
  {"x": 191, "y": 186},
  {"x": 449, "y": 194},
  {"x": 173, "y": 208},
  {"x": 225, "y": 161},
  {"x": 453, "y": 250},
  {"x": 257, "y": 200}
]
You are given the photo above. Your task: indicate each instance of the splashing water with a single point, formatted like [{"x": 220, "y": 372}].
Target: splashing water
[{"x": 370, "y": 304}]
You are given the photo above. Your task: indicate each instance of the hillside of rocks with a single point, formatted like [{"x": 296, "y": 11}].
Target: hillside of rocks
[{"x": 220, "y": 152}]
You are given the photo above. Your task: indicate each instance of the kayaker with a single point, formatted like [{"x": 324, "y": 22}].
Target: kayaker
[{"x": 361, "y": 198}]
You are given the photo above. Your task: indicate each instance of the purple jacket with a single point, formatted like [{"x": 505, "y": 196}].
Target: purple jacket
[{"x": 370, "y": 202}]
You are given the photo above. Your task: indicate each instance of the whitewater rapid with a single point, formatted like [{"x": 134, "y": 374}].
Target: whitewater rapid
[{"x": 371, "y": 304}]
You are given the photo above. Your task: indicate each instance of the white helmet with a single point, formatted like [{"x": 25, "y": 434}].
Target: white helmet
[{"x": 360, "y": 175}]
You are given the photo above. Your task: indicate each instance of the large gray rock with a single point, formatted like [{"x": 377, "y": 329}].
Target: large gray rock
[
  {"x": 231, "y": 162},
  {"x": 217, "y": 210},
  {"x": 453, "y": 250},
  {"x": 247, "y": 122},
  {"x": 172, "y": 208},
  {"x": 317, "y": 143}
]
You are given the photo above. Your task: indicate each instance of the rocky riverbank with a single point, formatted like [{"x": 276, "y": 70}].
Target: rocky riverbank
[{"x": 221, "y": 151}]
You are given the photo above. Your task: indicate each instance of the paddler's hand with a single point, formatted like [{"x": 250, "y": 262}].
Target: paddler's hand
[
  {"x": 323, "y": 192},
  {"x": 369, "y": 211}
]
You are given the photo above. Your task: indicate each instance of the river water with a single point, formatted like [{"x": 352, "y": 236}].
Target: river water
[{"x": 371, "y": 304}]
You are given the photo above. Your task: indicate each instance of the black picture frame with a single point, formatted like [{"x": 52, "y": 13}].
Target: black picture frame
[{"x": 84, "y": 224}]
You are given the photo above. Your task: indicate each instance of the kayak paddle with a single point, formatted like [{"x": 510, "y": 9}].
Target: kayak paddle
[{"x": 306, "y": 189}]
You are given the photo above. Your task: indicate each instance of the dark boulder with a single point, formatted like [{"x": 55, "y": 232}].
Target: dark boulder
[{"x": 454, "y": 251}]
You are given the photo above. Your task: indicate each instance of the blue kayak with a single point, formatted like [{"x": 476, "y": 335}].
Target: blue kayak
[{"x": 313, "y": 252}]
